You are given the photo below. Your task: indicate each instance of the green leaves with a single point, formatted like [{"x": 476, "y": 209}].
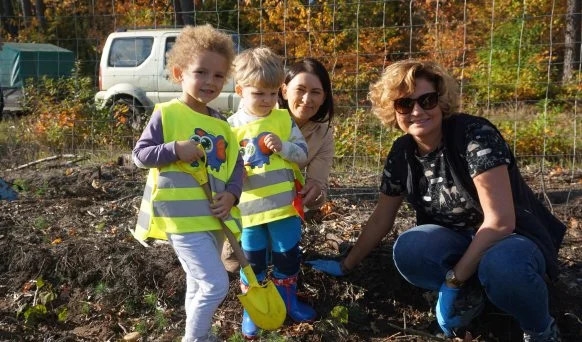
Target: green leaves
[{"x": 340, "y": 313}]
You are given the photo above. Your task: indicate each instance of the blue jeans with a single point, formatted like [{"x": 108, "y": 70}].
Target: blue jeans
[
  {"x": 511, "y": 271},
  {"x": 283, "y": 237}
]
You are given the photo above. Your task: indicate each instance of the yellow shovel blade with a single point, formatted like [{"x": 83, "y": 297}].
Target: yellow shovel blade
[{"x": 264, "y": 305}]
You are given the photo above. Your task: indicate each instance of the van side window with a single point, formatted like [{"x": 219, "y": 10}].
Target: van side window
[
  {"x": 130, "y": 52},
  {"x": 169, "y": 45}
]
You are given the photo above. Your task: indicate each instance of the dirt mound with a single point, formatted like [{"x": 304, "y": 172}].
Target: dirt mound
[{"x": 71, "y": 271}]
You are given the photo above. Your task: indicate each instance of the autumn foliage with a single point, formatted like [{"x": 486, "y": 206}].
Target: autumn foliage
[{"x": 504, "y": 53}]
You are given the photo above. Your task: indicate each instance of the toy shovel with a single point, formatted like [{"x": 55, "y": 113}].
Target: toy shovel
[{"x": 262, "y": 302}]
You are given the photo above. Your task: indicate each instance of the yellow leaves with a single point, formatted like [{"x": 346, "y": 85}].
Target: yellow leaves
[{"x": 56, "y": 241}]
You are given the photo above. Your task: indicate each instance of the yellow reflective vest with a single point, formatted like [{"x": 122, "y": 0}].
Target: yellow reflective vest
[
  {"x": 269, "y": 188},
  {"x": 173, "y": 201}
]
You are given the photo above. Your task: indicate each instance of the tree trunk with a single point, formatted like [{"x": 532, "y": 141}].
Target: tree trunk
[
  {"x": 178, "y": 13},
  {"x": 26, "y": 11},
  {"x": 572, "y": 40},
  {"x": 187, "y": 12},
  {"x": 8, "y": 21},
  {"x": 40, "y": 14}
]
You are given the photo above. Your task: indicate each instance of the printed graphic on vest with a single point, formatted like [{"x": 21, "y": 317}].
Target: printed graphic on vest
[
  {"x": 254, "y": 151},
  {"x": 214, "y": 146}
]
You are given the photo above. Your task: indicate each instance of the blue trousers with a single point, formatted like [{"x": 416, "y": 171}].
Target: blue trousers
[
  {"x": 282, "y": 236},
  {"x": 511, "y": 271}
]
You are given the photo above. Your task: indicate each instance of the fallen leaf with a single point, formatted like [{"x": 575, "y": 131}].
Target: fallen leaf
[{"x": 56, "y": 241}]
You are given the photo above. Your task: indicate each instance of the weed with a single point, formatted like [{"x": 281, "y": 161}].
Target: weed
[
  {"x": 62, "y": 313},
  {"x": 43, "y": 297},
  {"x": 100, "y": 289},
  {"x": 160, "y": 320},
  {"x": 130, "y": 306},
  {"x": 237, "y": 337},
  {"x": 151, "y": 300},
  {"x": 85, "y": 308},
  {"x": 40, "y": 223},
  {"x": 100, "y": 226},
  {"x": 40, "y": 191},
  {"x": 20, "y": 185},
  {"x": 141, "y": 328},
  {"x": 272, "y": 336}
]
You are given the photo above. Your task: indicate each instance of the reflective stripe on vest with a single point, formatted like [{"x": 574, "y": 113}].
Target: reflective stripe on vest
[
  {"x": 264, "y": 204},
  {"x": 261, "y": 180}
]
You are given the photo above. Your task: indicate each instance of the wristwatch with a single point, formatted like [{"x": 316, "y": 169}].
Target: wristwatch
[{"x": 452, "y": 280}]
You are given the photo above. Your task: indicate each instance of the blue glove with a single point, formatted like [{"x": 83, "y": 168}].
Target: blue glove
[
  {"x": 6, "y": 192},
  {"x": 331, "y": 267},
  {"x": 444, "y": 309}
]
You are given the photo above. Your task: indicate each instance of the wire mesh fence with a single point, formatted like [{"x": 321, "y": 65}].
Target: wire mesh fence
[{"x": 517, "y": 63}]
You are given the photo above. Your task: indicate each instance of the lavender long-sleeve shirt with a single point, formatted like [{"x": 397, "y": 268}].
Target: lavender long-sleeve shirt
[{"x": 150, "y": 151}]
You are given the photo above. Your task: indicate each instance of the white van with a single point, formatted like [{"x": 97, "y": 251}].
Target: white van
[{"x": 132, "y": 73}]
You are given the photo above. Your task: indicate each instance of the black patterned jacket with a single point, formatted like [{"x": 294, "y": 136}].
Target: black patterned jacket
[{"x": 533, "y": 219}]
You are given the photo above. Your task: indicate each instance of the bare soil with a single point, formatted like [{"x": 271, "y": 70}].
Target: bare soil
[{"x": 66, "y": 244}]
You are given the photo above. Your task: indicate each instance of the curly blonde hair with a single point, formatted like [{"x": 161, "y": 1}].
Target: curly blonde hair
[
  {"x": 399, "y": 80},
  {"x": 259, "y": 67},
  {"x": 194, "y": 40}
]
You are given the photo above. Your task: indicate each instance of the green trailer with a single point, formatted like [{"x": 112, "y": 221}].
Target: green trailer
[{"x": 22, "y": 61}]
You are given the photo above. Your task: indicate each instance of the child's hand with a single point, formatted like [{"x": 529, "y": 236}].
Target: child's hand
[
  {"x": 273, "y": 143},
  {"x": 223, "y": 202},
  {"x": 188, "y": 151}
]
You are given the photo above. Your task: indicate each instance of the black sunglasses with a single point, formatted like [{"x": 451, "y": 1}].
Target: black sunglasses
[{"x": 427, "y": 101}]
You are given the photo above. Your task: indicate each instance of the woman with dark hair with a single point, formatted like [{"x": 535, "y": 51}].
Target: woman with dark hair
[
  {"x": 307, "y": 94},
  {"x": 480, "y": 230}
]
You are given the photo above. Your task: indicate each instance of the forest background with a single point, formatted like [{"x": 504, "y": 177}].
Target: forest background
[{"x": 517, "y": 62}]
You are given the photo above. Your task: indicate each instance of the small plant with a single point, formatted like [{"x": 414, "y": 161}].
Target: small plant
[
  {"x": 237, "y": 337},
  {"x": 20, "y": 185},
  {"x": 43, "y": 297},
  {"x": 100, "y": 226},
  {"x": 40, "y": 223},
  {"x": 62, "y": 313},
  {"x": 130, "y": 306},
  {"x": 151, "y": 300},
  {"x": 141, "y": 328},
  {"x": 272, "y": 336},
  {"x": 85, "y": 308},
  {"x": 41, "y": 190},
  {"x": 160, "y": 320},
  {"x": 340, "y": 314},
  {"x": 100, "y": 289}
]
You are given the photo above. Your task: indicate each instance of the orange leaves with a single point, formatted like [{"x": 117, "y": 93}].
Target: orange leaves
[{"x": 327, "y": 208}]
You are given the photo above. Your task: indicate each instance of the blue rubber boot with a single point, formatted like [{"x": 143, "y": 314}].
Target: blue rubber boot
[
  {"x": 248, "y": 328},
  {"x": 298, "y": 311}
]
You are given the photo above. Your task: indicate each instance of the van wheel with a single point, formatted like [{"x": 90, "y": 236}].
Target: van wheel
[{"x": 128, "y": 112}]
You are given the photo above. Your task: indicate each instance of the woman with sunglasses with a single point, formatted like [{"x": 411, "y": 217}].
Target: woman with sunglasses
[{"x": 479, "y": 226}]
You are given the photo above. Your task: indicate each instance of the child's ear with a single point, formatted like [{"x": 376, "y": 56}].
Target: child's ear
[
  {"x": 177, "y": 73},
  {"x": 284, "y": 91},
  {"x": 238, "y": 89}
]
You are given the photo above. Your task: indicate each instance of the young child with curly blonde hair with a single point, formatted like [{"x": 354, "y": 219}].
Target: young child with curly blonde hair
[{"x": 174, "y": 206}]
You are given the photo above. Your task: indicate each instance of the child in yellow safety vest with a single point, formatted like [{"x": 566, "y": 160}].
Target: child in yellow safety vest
[
  {"x": 272, "y": 145},
  {"x": 174, "y": 205}
]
